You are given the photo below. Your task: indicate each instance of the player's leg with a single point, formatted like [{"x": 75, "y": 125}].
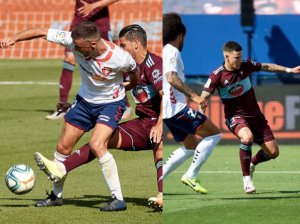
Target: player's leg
[
  {"x": 180, "y": 155},
  {"x": 157, "y": 202},
  {"x": 65, "y": 84},
  {"x": 211, "y": 137},
  {"x": 69, "y": 137}
]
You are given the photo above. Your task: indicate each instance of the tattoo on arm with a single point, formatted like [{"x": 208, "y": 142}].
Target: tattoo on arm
[
  {"x": 268, "y": 67},
  {"x": 178, "y": 84}
]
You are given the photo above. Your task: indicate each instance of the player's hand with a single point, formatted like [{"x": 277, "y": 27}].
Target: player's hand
[
  {"x": 156, "y": 133},
  {"x": 63, "y": 108},
  {"x": 7, "y": 42},
  {"x": 296, "y": 70},
  {"x": 200, "y": 101},
  {"x": 86, "y": 9}
]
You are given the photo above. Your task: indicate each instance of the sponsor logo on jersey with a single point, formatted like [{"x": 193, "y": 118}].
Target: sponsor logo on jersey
[
  {"x": 226, "y": 82},
  {"x": 236, "y": 90},
  {"x": 155, "y": 73}
]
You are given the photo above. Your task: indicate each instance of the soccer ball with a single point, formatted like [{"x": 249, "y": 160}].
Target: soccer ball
[{"x": 20, "y": 179}]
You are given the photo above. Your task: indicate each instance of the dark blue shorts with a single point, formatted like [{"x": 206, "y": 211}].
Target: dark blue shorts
[
  {"x": 187, "y": 121},
  {"x": 84, "y": 115}
]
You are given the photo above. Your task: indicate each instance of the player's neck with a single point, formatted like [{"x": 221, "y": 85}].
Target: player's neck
[
  {"x": 101, "y": 48},
  {"x": 140, "y": 56},
  {"x": 228, "y": 67}
]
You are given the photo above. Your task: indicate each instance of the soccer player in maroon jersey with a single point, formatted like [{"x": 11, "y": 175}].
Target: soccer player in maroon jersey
[
  {"x": 243, "y": 116},
  {"x": 141, "y": 133},
  {"x": 85, "y": 10}
]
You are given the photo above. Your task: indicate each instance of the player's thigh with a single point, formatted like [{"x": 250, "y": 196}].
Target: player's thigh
[
  {"x": 69, "y": 137},
  {"x": 207, "y": 129}
]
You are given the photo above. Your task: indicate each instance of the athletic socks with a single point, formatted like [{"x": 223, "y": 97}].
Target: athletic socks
[
  {"x": 58, "y": 186},
  {"x": 159, "y": 177},
  {"x": 110, "y": 174},
  {"x": 202, "y": 152},
  {"x": 65, "y": 82},
  {"x": 245, "y": 158},
  {"x": 175, "y": 159},
  {"x": 260, "y": 157}
]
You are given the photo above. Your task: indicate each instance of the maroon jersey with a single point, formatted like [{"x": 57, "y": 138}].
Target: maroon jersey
[
  {"x": 235, "y": 90},
  {"x": 99, "y": 16},
  {"x": 146, "y": 93}
]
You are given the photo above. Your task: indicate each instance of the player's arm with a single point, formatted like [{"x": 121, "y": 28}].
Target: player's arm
[
  {"x": 88, "y": 8},
  {"x": 156, "y": 131},
  {"x": 269, "y": 67},
  {"x": 23, "y": 36},
  {"x": 178, "y": 84},
  {"x": 134, "y": 76},
  {"x": 205, "y": 95}
]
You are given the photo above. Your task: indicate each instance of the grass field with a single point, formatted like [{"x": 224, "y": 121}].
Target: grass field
[
  {"x": 24, "y": 130},
  {"x": 277, "y": 183}
]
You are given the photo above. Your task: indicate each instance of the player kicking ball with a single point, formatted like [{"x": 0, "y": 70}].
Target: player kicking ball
[{"x": 243, "y": 116}]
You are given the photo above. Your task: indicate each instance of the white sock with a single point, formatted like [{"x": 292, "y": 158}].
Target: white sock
[
  {"x": 110, "y": 174},
  {"x": 58, "y": 186},
  {"x": 202, "y": 152},
  {"x": 176, "y": 159}
]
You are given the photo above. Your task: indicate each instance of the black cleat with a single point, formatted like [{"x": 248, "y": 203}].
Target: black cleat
[
  {"x": 51, "y": 200},
  {"x": 113, "y": 205}
]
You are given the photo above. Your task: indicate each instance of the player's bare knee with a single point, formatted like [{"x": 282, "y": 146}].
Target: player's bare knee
[
  {"x": 63, "y": 149},
  {"x": 69, "y": 58},
  {"x": 98, "y": 148},
  {"x": 274, "y": 154},
  {"x": 247, "y": 139}
]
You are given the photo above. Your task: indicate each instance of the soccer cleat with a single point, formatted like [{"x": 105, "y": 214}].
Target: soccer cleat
[
  {"x": 249, "y": 187},
  {"x": 51, "y": 200},
  {"x": 156, "y": 202},
  {"x": 62, "y": 109},
  {"x": 49, "y": 167},
  {"x": 252, "y": 169},
  {"x": 114, "y": 205},
  {"x": 127, "y": 114},
  {"x": 194, "y": 184}
]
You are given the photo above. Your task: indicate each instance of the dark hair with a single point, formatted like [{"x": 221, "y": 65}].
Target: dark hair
[
  {"x": 86, "y": 30},
  {"x": 172, "y": 27},
  {"x": 134, "y": 32},
  {"x": 232, "y": 46}
]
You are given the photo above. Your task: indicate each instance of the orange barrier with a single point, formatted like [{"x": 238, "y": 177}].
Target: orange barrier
[{"x": 18, "y": 15}]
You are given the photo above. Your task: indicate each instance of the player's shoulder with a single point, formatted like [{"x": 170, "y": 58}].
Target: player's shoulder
[
  {"x": 169, "y": 49},
  {"x": 218, "y": 71},
  {"x": 152, "y": 60}
]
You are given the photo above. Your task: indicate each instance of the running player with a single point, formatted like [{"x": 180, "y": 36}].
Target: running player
[
  {"x": 243, "y": 116},
  {"x": 184, "y": 123},
  {"x": 88, "y": 10},
  {"x": 99, "y": 103},
  {"x": 141, "y": 133}
]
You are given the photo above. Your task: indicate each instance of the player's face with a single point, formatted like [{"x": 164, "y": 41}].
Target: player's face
[
  {"x": 85, "y": 47},
  {"x": 234, "y": 59},
  {"x": 128, "y": 46}
]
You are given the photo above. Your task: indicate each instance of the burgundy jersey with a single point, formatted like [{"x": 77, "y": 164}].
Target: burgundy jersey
[
  {"x": 99, "y": 16},
  {"x": 146, "y": 93},
  {"x": 235, "y": 90}
]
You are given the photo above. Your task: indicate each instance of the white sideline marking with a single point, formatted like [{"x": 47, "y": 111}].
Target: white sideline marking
[
  {"x": 31, "y": 83},
  {"x": 239, "y": 172}
]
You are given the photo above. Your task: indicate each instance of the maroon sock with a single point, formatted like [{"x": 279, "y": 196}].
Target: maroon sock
[
  {"x": 260, "y": 157},
  {"x": 65, "y": 83},
  {"x": 159, "y": 166},
  {"x": 78, "y": 158},
  {"x": 245, "y": 158}
]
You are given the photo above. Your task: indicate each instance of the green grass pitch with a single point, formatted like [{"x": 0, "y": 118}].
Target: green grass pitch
[
  {"x": 277, "y": 184},
  {"x": 24, "y": 130}
]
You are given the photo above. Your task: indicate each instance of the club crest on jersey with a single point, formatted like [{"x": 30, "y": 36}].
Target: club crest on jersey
[
  {"x": 155, "y": 73},
  {"x": 106, "y": 71},
  {"x": 236, "y": 90}
]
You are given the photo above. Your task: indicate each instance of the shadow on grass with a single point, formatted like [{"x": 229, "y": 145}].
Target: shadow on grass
[{"x": 92, "y": 201}]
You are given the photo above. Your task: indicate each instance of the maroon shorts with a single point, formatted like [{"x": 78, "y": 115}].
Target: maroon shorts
[
  {"x": 135, "y": 134},
  {"x": 259, "y": 127}
]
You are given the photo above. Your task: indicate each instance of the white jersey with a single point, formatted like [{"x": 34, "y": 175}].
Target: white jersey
[
  {"x": 101, "y": 78},
  {"x": 173, "y": 100}
]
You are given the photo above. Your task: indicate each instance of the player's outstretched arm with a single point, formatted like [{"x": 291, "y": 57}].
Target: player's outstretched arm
[
  {"x": 22, "y": 36},
  {"x": 178, "y": 84},
  {"x": 269, "y": 67}
]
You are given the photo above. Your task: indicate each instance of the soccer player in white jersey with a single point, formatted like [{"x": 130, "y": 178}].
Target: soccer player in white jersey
[
  {"x": 99, "y": 103},
  {"x": 184, "y": 123}
]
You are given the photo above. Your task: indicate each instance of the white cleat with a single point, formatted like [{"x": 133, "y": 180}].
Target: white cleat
[
  {"x": 127, "y": 114},
  {"x": 55, "y": 116},
  {"x": 249, "y": 187},
  {"x": 156, "y": 202}
]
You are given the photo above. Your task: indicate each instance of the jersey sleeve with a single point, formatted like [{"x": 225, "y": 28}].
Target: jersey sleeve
[
  {"x": 253, "y": 66},
  {"x": 155, "y": 76},
  {"x": 170, "y": 61},
  {"x": 60, "y": 37},
  {"x": 211, "y": 83},
  {"x": 129, "y": 63}
]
